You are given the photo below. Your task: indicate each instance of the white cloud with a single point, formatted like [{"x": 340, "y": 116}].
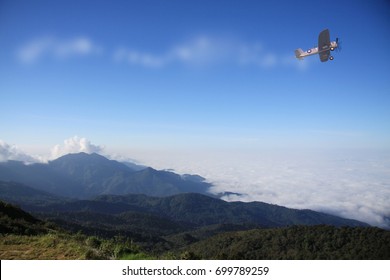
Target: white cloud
[
  {"x": 57, "y": 48},
  {"x": 12, "y": 152},
  {"x": 75, "y": 144}
]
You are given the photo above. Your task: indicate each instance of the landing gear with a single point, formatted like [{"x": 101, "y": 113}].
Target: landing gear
[{"x": 331, "y": 57}]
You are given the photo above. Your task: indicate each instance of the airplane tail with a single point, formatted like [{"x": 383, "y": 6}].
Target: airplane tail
[{"x": 298, "y": 53}]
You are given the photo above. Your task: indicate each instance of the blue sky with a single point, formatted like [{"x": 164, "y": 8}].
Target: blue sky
[
  {"x": 208, "y": 87},
  {"x": 166, "y": 74}
]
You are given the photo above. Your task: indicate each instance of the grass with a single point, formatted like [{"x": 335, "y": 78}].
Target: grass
[
  {"x": 41, "y": 247},
  {"x": 65, "y": 246},
  {"x": 136, "y": 256}
]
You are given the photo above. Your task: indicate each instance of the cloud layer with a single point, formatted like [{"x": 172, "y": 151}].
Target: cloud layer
[{"x": 350, "y": 184}]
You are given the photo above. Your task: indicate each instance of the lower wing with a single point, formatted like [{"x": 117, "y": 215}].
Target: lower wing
[{"x": 324, "y": 56}]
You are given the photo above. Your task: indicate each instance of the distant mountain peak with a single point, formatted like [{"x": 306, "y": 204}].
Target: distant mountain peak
[{"x": 81, "y": 156}]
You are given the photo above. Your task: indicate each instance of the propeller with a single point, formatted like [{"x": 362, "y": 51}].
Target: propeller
[{"x": 338, "y": 42}]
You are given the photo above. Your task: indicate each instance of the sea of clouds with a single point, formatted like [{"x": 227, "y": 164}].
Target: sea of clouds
[{"x": 349, "y": 183}]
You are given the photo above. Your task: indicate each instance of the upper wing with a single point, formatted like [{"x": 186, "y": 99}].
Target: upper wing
[
  {"x": 324, "y": 45},
  {"x": 324, "y": 40}
]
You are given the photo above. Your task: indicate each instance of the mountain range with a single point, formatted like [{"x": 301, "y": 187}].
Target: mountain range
[
  {"x": 87, "y": 175},
  {"x": 190, "y": 209}
]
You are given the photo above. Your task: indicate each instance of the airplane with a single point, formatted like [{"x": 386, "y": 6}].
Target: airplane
[{"x": 323, "y": 49}]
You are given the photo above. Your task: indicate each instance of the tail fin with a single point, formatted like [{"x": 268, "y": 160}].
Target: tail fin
[{"x": 298, "y": 53}]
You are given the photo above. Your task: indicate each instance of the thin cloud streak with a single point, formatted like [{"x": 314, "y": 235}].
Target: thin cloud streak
[
  {"x": 38, "y": 48},
  {"x": 198, "y": 51},
  {"x": 208, "y": 51}
]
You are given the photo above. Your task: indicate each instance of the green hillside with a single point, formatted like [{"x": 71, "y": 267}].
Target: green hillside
[
  {"x": 23, "y": 236},
  {"x": 297, "y": 242},
  {"x": 130, "y": 235},
  {"x": 188, "y": 226}
]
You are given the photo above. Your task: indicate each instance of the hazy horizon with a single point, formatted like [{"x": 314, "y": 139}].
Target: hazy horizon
[{"x": 349, "y": 183}]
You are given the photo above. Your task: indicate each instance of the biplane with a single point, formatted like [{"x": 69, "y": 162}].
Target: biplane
[{"x": 325, "y": 46}]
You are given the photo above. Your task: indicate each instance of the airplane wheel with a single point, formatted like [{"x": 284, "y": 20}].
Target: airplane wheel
[
  {"x": 331, "y": 57},
  {"x": 332, "y": 49},
  {"x": 308, "y": 51}
]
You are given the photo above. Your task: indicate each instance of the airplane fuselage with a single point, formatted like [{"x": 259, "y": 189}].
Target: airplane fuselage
[{"x": 300, "y": 54}]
